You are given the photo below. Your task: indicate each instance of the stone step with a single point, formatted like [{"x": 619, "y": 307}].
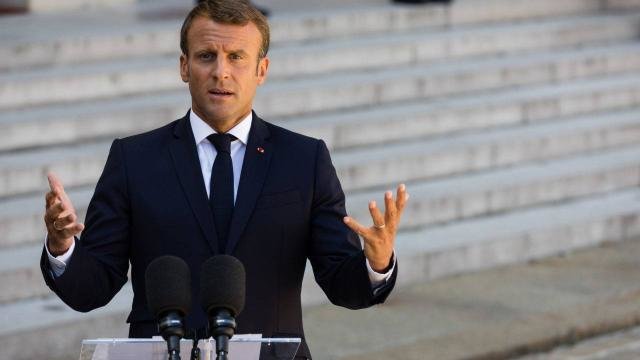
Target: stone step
[
  {"x": 469, "y": 11},
  {"x": 333, "y": 92},
  {"x": 452, "y": 115},
  {"x": 104, "y": 119},
  {"x": 518, "y": 236},
  {"x": 26, "y": 171},
  {"x": 432, "y": 203},
  {"x": 621, "y": 4},
  {"x": 354, "y": 90},
  {"x": 424, "y": 255},
  {"x": 46, "y": 304},
  {"x": 88, "y": 121},
  {"x": 457, "y": 198},
  {"x": 398, "y": 49},
  {"x": 362, "y": 168},
  {"x": 31, "y": 40}
]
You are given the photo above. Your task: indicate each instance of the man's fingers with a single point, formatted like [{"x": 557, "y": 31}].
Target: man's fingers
[
  {"x": 378, "y": 244},
  {"x": 60, "y": 217},
  {"x": 65, "y": 199},
  {"x": 71, "y": 231},
  {"x": 54, "y": 212},
  {"x": 66, "y": 227},
  {"x": 50, "y": 199},
  {"x": 58, "y": 189},
  {"x": 75, "y": 228},
  {"x": 355, "y": 226},
  {"x": 390, "y": 210},
  {"x": 376, "y": 215},
  {"x": 64, "y": 221},
  {"x": 402, "y": 198},
  {"x": 54, "y": 183}
]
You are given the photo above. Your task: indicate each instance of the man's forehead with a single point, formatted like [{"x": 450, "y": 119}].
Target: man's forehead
[{"x": 210, "y": 32}]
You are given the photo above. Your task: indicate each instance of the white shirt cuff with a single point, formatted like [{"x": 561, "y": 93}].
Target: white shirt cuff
[
  {"x": 377, "y": 279},
  {"x": 59, "y": 263}
]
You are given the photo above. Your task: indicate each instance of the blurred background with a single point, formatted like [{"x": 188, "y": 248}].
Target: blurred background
[{"x": 514, "y": 123}]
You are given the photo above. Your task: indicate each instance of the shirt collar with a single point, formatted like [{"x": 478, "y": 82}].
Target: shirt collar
[{"x": 201, "y": 129}]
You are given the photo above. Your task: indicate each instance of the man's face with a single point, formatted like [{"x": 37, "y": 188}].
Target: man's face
[{"x": 223, "y": 71}]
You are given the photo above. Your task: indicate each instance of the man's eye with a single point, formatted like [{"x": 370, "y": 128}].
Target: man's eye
[
  {"x": 235, "y": 57},
  {"x": 206, "y": 56}
]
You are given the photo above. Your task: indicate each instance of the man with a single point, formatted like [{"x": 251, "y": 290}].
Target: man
[{"x": 221, "y": 180}]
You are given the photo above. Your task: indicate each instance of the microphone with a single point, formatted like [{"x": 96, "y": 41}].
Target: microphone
[
  {"x": 168, "y": 290},
  {"x": 222, "y": 283}
]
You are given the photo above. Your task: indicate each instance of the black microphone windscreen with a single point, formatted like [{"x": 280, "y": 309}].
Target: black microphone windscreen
[
  {"x": 168, "y": 285},
  {"x": 222, "y": 284}
]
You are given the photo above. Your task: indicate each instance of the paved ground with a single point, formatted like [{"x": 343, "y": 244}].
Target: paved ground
[
  {"x": 621, "y": 345},
  {"x": 496, "y": 314}
]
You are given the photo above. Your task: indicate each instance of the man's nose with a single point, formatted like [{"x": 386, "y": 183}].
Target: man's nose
[{"x": 221, "y": 68}]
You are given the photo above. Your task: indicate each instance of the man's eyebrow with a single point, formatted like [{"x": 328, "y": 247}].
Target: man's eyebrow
[
  {"x": 238, "y": 51},
  {"x": 202, "y": 51}
]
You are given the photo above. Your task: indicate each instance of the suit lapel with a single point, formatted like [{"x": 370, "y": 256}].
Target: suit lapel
[
  {"x": 254, "y": 171},
  {"x": 185, "y": 159}
]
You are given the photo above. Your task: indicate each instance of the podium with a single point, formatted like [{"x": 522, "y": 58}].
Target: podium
[{"x": 241, "y": 347}]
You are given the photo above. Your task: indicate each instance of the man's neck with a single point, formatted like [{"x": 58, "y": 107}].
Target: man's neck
[{"x": 221, "y": 126}]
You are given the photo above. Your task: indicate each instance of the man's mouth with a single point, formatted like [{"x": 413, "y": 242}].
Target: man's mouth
[{"x": 220, "y": 92}]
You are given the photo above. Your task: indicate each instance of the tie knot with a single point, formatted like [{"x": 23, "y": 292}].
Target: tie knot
[{"x": 222, "y": 142}]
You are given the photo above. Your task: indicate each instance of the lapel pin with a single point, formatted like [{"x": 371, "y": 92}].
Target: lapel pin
[{"x": 260, "y": 150}]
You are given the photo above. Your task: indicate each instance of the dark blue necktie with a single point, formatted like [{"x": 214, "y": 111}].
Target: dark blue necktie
[{"x": 221, "y": 187}]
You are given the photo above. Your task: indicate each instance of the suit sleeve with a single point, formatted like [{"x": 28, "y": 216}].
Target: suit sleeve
[
  {"x": 335, "y": 251},
  {"x": 98, "y": 267}
]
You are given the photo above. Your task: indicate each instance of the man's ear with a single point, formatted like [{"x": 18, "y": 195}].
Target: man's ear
[
  {"x": 184, "y": 68},
  {"x": 263, "y": 68}
]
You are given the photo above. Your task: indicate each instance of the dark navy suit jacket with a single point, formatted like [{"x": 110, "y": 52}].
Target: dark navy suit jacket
[{"x": 151, "y": 201}]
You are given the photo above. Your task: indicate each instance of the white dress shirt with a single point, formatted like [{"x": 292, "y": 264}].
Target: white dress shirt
[{"x": 207, "y": 154}]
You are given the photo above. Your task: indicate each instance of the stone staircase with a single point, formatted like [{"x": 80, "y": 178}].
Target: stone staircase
[{"x": 514, "y": 123}]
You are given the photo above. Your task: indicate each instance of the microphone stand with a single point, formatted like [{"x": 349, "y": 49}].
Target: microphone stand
[
  {"x": 172, "y": 331},
  {"x": 222, "y": 327},
  {"x": 195, "y": 351}
]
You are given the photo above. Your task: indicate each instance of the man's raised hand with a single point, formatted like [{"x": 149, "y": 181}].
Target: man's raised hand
[
  {"x": 379, "y": 239},
  {"x": 60, "y": 218}
]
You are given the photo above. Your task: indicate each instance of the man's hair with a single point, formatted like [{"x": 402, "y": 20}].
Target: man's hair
[{"x": 228, "y": 12}]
